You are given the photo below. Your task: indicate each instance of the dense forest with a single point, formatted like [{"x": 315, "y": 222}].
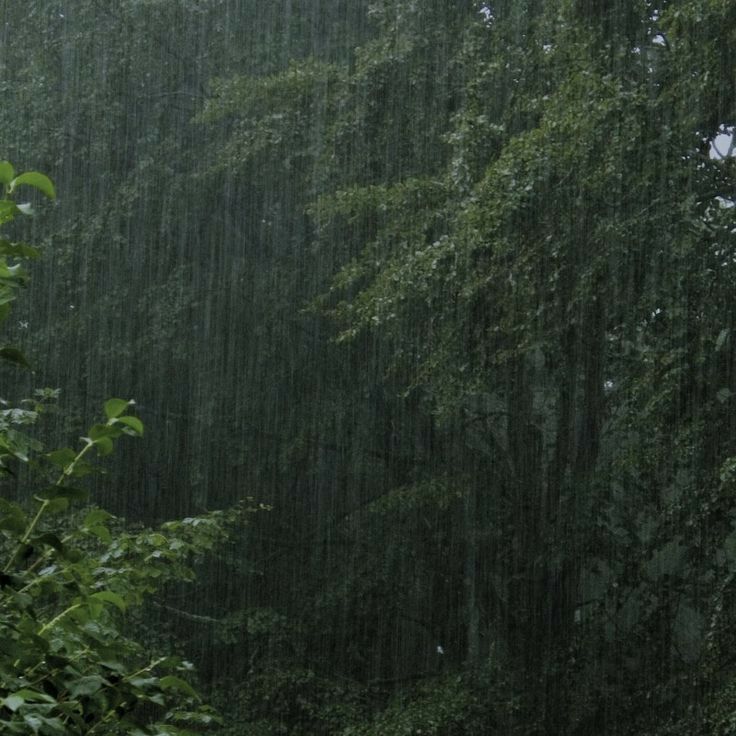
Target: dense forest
[{"x": 429, "y": 312}]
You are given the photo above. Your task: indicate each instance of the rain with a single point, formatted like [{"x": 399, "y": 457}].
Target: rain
[{"x": 437, "y": 295}]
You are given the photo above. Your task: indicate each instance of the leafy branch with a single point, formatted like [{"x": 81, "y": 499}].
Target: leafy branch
[{"x": 66, "y": 665}]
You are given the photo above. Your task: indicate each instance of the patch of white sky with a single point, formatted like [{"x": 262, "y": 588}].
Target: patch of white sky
[
  {"x": 486, "y": 12},
  {"x": 722, "y": 147}
]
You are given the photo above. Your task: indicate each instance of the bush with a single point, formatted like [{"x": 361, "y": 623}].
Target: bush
[{"x": 67, "y": 581}]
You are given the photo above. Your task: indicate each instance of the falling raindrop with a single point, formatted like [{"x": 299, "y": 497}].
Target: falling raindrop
[{"x": 444, "y": 290}]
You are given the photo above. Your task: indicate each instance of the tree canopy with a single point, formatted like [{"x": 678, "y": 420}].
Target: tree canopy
[{"x": 448, "y": 285}]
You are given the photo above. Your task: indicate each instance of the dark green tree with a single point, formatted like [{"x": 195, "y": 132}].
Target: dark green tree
[{"x": 447, "y": 284}]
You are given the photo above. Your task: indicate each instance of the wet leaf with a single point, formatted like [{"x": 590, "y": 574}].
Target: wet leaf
[
  {"x": 133, "y": 423},
  {"x": 13, "y": 355},
  {"x": 87, "y": 685},
  {"x": 109, "y": 597},
  {"x": 37, "y": 181},
  {"x": 7, "y": 172},
  {"x": 115, "y": 407},
  {"x": 171, "y": 682}
]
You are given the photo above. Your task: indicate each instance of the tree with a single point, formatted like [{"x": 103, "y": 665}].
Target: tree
[{"x": 449, "y": 284}]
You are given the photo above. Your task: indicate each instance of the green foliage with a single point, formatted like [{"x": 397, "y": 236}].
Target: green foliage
[
  {"x": 12, "y": 254},
  {"x": 563, "y": 310},
  {"x": 451, "y": 705},
  {"x": 503, "y": 423},
  {"x": 66, "y": 666},
  {"x": 294, "y": 700},
  {"x": 70, "y": 574}
]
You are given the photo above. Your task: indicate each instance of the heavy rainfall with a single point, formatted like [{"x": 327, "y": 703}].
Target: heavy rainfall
[{"x": 369, "y": 367}]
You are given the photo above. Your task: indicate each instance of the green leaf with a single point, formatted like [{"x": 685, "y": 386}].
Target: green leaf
[
  {"x": 171, "y": 682},
  {"x": 57, "y": 504},
  {"x": 96, "y": 516},
  {"x": 133, "y": 423},
  {"x": 33, "y": 696},
  {"x": 109, "y": 597},
  {"x": 104, "y": 446},
  {"x": 7, "y": 172},
  {"x": 37, "y": 181},
  {"x": 12, "y": 518},
  {"x": 101, "y": 532},
  {"x": 13, "y": 355},
  {"x": 54, "y": 726},
  {"x": 66, "y": 492},
  {"x": 13, "y": 702},
  {"x": 97, "y": 431},
  {"x": 34, "y": 722},
  {"x": 63, "y": 457},
  {"x": 17, "y": 250},
  {"x": 115, "y": 407},
  {"x": 11, "y": 276},
  {"x": 117, "y": 667},
  {"x": 87, "y": 685},
  {"x": 94, "y": 523},
  {"x": 8, "y": 210},
  {"x": 22, "y": 601}
]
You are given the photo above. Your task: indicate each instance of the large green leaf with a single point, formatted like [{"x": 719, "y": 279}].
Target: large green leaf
[
  {"x": 115, "y": 407},
  {"x": 34, "y": 696},
  {"x": 87, "y": 685},
  {"x": 7, "y": 172},
  {"x": 62, "y": 457},
  {"x": 98, "y": 431},
  {"x": 96, "y": 516},
  {"x": 13, "y": 702},
  {"x": 12, "y": 518},
  {"x": 13, "y": 355},
  {"x": 133, "y": 423},
  {"x": 37, "y": 181},
  {"x": 171, "y": 682},
  {"x": 109, "y": 597}
]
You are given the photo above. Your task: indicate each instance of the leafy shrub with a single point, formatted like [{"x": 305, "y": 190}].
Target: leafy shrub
[
  {"x": 69, "y": 574},
  {"x": 289, "y": 699},
  {"x": 439, "y": 707}
]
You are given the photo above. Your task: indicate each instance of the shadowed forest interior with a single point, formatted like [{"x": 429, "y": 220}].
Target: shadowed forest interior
[{"x": 434, "y": 303}]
